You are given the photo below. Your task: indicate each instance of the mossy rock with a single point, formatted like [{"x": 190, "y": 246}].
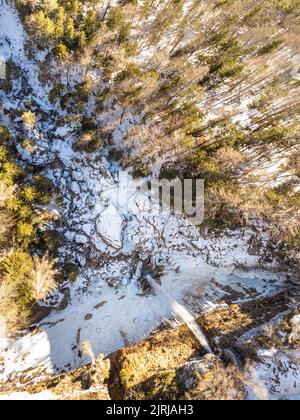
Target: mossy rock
[
  {"x": 53, "y": 240},
  {"x": 162, "y": 386},
  {"x": 4, "y": 135},
  {"x": 71, "y": 271},
  {"x": 115, "y": 155},
  {"x": 44, "y": 184}
]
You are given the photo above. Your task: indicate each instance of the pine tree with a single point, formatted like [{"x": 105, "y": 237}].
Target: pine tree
[{"x": 42, "y": 27}]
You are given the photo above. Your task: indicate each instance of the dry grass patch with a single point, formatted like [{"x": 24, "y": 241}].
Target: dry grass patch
[{"x": 159, "y": 355}]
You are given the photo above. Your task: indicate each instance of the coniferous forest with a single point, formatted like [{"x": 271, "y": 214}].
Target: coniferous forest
[{"x": 124, "y": 303}]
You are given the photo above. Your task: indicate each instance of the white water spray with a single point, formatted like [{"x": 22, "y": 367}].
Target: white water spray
[{"x": 181, "y": 312}]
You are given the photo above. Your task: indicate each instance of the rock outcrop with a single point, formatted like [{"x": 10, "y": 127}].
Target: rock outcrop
[
  {"x": 110, "y": 226},
  {"x": 170, "y": 366},
  {"x": 85, "y": 383}
]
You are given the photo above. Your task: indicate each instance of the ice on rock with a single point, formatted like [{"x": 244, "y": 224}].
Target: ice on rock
[{"x": 110, "y": 225}]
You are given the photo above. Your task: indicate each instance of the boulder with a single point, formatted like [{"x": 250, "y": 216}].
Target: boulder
[
  {"x": 78, "y": 176},
  {"x": 81, "y": 239},
  {"x": 75, "y": 187},
  {"x": 87, "y": 229},
  {"x": 110, "y": 226}
]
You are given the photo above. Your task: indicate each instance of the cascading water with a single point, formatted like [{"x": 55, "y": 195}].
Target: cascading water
[{"x": 181, "y": 312}]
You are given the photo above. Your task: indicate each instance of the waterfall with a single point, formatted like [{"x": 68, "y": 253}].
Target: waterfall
[{"x": 184, "y": 314}]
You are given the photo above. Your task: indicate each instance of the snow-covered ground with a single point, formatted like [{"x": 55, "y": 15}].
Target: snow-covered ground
[
  {"x": 269, "y": 169},
  {"x": 12, "y": 47},
  {"x": 24, "y": 396},
  {"x": 277, "y": 376},
  {"x": 12, "y": 34},
  {"x": 109, "y": 240}
]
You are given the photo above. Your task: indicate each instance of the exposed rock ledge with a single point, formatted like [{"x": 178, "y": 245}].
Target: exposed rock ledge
[
  {"x": 85, "y": 383},
  {"x": 170, "y": 364}
]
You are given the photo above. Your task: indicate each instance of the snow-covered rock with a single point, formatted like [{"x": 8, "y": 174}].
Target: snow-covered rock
[
  {"x": 110, "y": 226},
  {"x": 87, "y": 229},
  {"x": 75, "y": 187},
  {"x": 63, "y": 132},
  {"x": 190, "y": 371},
  {"x": 78, "y": 176},
  {"x": 70, "y": 235},
  {"x": 81, "y": 259},
  {"x": 81, "y": 239},
  {"x": 39, "y": 156}
]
